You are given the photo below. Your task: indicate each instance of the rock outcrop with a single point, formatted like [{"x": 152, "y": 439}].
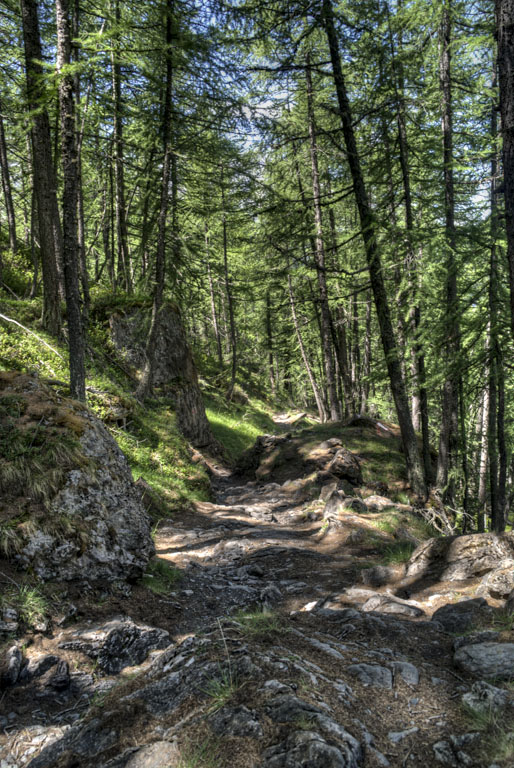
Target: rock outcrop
[
  {"x": 457, "y": 558},
  {"x": 175, "y": 372},
  {"x": 70, "y": 510}
]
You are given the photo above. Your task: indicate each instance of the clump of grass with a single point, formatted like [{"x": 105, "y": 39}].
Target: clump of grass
[
  {"x": 29, "y": 602},
  {"x": 221, "y": 690},
  {"x": 497, "y": 729},
  {"x": 259, "y": 623},
  {"x": 504, "y": 621},
  {"x": 398, "y": 552},
  {"x": 203, "y": 755},
  {"x": 161, "y": 577}
]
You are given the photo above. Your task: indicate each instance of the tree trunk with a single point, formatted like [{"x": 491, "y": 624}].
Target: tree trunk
[
  {"x": 228, "y": 289},
  {"x": 6, "y": 185},
  {"x": 146, "y": 384},
  {"x": 308, "y": 369},
  {"x": 449, "y": 413},
  {"x": 269, "y": 339},
  {"x": 121, "y": 209},
  {"x": 44, "y": 176},
  {"x": 505, "y": 36},
  {"x": 367, "y": 357},
  {"x": 368, "y": 227},
  {"x": 69, "y": 202},
  {"x": 81, "y": 231},
  {"x": 319, "y": 255}
]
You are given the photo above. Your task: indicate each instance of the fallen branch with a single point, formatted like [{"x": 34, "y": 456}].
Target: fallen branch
[{"x": 11, "y": 320}]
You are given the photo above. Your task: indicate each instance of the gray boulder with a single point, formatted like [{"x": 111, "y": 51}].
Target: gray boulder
[
  {"x": 308, "y": 749},
  {"x": 484, "y": 698},
  {"x": 461, "y": 616},
  {"x": 487, "y": 660},
  {"x": 84, "y": 517},
  {"x": 457, "y": 558},
  {"x": 117, "y": 644},
  {"x": 175, "y": 372}
]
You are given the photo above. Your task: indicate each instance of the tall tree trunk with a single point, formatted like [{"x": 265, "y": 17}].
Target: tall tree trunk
[
  {"x": 121, "y": 208},
  {"x": 449, "y": 414},
  {"x": 496, "y": 404},
  {"x": 44, "y": 176},
  {"x": 419, "y": 397},
  {"x": 81, "y": 231},
  {"x": 483, "y": 463},
  {"x": 269, "y": 339},
  {"x": 6, "y": 186},
  {"x": 505, "y": 36},
  {"x": 147, "y": 378},
  {"x": 319, "y": 254},
  {"x": 69, "y": 202},
  {"x": 214, "y": 314},
  {"x": 368, "y": 227},
  {"x": 228, "y": 289},
  {"x": 310, "y": 375},
  {"x": 366, "y": 371}
]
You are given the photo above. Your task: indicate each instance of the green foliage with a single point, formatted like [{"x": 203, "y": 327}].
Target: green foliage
[
  {"x": 237, "y": 426},
  {"x": 157, "y": 452},
  {"x": 161, "y": 577}
]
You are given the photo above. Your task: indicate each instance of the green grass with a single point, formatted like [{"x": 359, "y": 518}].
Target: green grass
[
  {"x": 503, "y": 621},
  {"x": 259, "y": 623},
  {"x": 390, "y": 520},
  {"x": 398, "y": 552},
  {"x": 237, "y": 426},
  {"x": 497, "y": 733},
  {"x": 203, "y": 755},
  {"x": 30, "y": 603},
  {"x": 382, "y": 460},
  {"x": 221, "y": 690},
  {"x": 151, "y": 442},
  {"x": 161, "y": 577}
]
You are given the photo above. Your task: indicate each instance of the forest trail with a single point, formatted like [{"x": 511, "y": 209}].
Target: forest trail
[{"x": 277, "y": 649}]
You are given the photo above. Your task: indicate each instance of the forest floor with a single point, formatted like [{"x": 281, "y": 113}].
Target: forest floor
[{"x": 263, "y": 569}]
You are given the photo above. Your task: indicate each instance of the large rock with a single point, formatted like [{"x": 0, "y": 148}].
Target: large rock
[
  {"x": 117, "y": 644},
  {"x": 78, "y": 514},
  {"x": 487, "y": 660},
  {"x": 175, "y": 372},
  {"x": 457, "y": 558}
]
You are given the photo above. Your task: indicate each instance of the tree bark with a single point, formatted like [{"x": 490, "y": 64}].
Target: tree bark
[
  {"x": 69, "y": 202},
  {"x": 123, "y": 268},
  {"x": 44, "y": 176},
  {"x": 310, "y": 375},
  {"x": 146, "y": 384},
  {"x": 505, "y": 36},
  {"x": 214, "y": 314},
  {"x": 368, "y": 227},
  {"x": 319, "y": 255},
  {"x": 449, "y": 408},
  {"x": 228, "y": 289},
  {"x": 6, "y": 186}
]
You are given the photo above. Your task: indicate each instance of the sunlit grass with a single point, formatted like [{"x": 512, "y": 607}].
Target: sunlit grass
[{"x": 237, "y": 426}]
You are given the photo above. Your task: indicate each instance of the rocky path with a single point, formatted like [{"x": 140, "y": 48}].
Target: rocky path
[{"x": 286, "y": 642}]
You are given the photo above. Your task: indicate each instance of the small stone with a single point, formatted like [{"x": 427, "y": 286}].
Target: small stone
[
  {"x": 13, "y": 659},
  {"x": 372, "y": 674},
  {"x": 396, "y": 736},
  {"x": 407, "y": 671},
  {"x": 484, "y": 698}
]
